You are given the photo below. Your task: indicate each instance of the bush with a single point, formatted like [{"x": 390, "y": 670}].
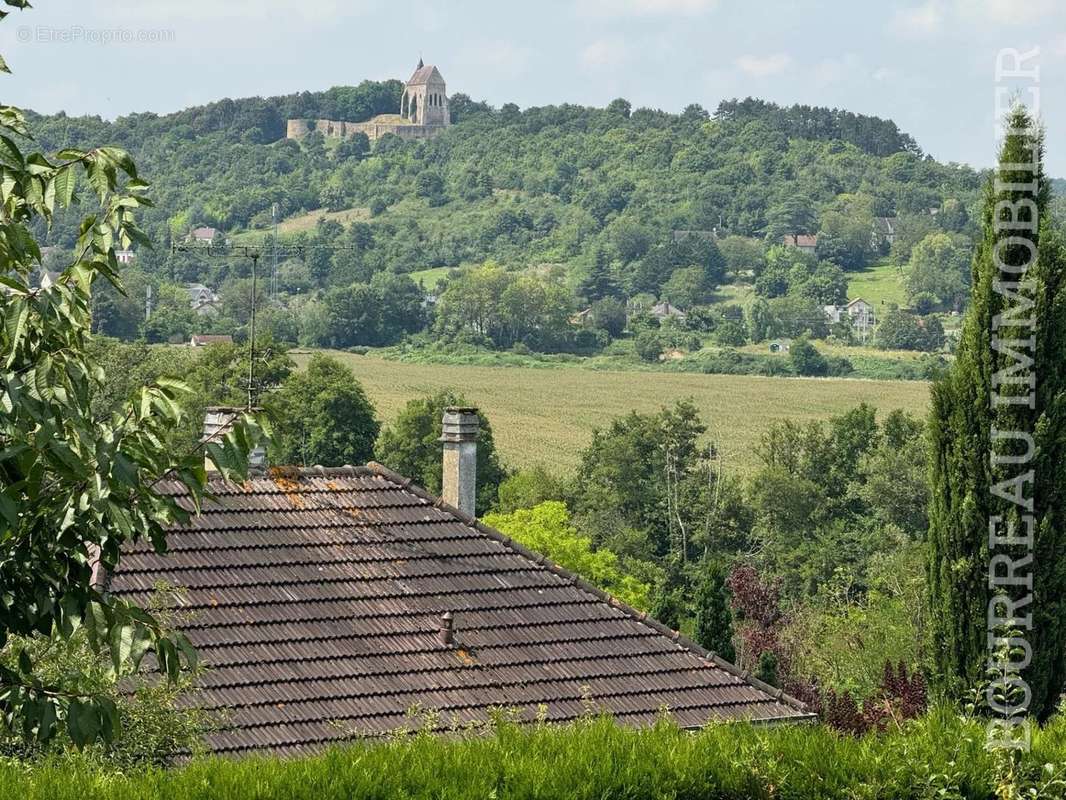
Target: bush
[
  {"x": 806, "y": 360},
  {"x": 648, "y": 345},
  {"x": 157, "y": 724},
  {"x": 938, "y": 755},
  {"x": 901, "y": 330},
  {"x": 527, "y": 488},
  {"x": 731, "y": 333}
]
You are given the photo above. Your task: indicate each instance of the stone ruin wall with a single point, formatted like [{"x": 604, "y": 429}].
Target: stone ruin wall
[{"x": 332, "y": 129}]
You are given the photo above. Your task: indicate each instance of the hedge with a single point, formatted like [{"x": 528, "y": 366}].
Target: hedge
[{"x": 939, "y": 755}]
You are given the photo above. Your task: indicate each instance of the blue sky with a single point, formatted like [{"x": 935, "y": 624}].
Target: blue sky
[{"x": 927, "y": 64}]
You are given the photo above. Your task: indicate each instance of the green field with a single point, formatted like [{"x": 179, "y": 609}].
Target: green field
[
  {"x": 878, "y": 284},
  {"x": 547, "y": 415},
  {"x": 429, "y": 278}
]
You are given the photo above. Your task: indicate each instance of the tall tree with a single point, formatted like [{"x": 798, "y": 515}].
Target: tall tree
[
  {"x": 712, "y": 626},
  {"x": 600, "y": 282},
  {"x": 1015, "y": 328},
  {"x": 322, "y": 416}
]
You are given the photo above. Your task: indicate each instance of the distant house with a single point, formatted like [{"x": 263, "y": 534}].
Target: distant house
[
  {"x": 858, "y": 311},
  {"x": 806, "y": 242},
  {"x": 202, "y": 299},
  {"x": 664, "y": 310},
  {"x": 884, "y": 231},
  {"x": 204, "y": 339},
  {"x": 203, "y": 235},
  {"x": 125, "y": 256},
  {"x": 582, "y": 318}
]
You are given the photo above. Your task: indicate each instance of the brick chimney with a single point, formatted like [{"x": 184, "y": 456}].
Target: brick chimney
[
  {"x": 217, "y": 420},
  {"x": 460, "y": 430}
]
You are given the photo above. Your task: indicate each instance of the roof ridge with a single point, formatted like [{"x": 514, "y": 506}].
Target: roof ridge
[{"x": 640, "y": 616}]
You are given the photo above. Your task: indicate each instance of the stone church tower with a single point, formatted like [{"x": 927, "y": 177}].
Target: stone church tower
[{"x": 425, "y": 99}]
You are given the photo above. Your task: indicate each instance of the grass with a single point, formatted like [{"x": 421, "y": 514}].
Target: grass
[
  {"x": 304, "y": 223},
  {"x": 429, "y": 278},
  {"x": 879, "y": 285},
  {"x": 546, "y": 415},
  {"x": 844, "y": 351},
  {"x": 740, "y": 294},
  {"x": 938, "y": 756}
]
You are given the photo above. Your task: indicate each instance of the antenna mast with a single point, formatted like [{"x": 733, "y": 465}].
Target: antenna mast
[
  {"x": 274, "y": 273},
  {"x": 251, "y": 339}
]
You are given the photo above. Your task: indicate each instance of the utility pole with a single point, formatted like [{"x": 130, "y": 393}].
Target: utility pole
[
  {"x": 148, "y": 304},
  {"x": 251, "y": 339},
  {"x": 274, "y": 273}
]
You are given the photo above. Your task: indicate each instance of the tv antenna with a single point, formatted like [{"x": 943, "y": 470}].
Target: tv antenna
[{"x": 254, "y": 252}]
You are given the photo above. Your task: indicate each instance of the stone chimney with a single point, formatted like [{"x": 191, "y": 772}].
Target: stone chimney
[
  {"x": 217, "y": 420},
  {"x": 459, "y": 486}
]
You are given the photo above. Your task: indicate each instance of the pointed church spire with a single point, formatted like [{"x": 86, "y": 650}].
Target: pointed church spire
[{"x": 420, "y": 64}]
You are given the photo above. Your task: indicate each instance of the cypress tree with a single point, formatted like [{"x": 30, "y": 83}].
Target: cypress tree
[
  {"x": 1016, "y": 313},
  {"x": 713, "y": 623},
  {"x": 601, "y": 281}
]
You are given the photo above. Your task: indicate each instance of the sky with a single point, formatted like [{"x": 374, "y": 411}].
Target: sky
[{"x": 929, "y": 65}]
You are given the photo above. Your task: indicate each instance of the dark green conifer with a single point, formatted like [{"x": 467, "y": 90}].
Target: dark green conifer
[{"x": 1005, "y": 326}]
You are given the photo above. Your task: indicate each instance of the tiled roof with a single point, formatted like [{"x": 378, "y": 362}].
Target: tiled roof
[
  {"x": 316, "y": 600},
  {"x": 800, "y": 240},
  {"x": 425, "y": 74}
]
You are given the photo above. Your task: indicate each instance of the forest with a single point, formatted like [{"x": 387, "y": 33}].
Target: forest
[{"x": 552, "y": 229}]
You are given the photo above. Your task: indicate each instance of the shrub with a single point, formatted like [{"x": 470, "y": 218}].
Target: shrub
[
  {"x": 731, "y": 333},
  {"x": 527, "y": 488},
  {"x": 648, "y": 345},
  {"x": 938, "y": 755},
  {"x": 156, "y": 723},
  {"x": 806, "y": 360}
]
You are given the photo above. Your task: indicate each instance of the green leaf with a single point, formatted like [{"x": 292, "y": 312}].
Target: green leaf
[
  {"x": 15, "y": 326},
  {"x": 10, "y": 152},
  {"x": 64, "y": 182},
  {"x": 122, "y": 637},
  {"x": 83, "y": 723}
]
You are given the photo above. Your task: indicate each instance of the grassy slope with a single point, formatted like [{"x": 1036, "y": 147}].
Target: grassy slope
[
  {"x": 305, "y": 223},
  {"x": 429, "y": 278},
  {"x": 878, "y": 284},
  {"x": 547, "y": 415}
]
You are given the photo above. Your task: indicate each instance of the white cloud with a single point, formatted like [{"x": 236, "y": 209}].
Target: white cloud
[
  {"x": 645, "y": 8},
  {"x": 917, "y": 21},
  {"x": 1006, "y": 12},
  {"x": 604, "y": 54},
  {"x": 761, "y": 66}
]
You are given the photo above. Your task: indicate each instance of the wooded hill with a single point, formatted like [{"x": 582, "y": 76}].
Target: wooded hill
[{"x": 556, "y": 184}]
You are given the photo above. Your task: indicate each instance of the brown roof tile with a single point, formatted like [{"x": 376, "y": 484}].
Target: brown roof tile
[{"x": 315, "y": 600}]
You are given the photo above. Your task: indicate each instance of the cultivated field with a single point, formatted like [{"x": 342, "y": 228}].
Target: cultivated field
[{"x": 546, "y": 415}]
